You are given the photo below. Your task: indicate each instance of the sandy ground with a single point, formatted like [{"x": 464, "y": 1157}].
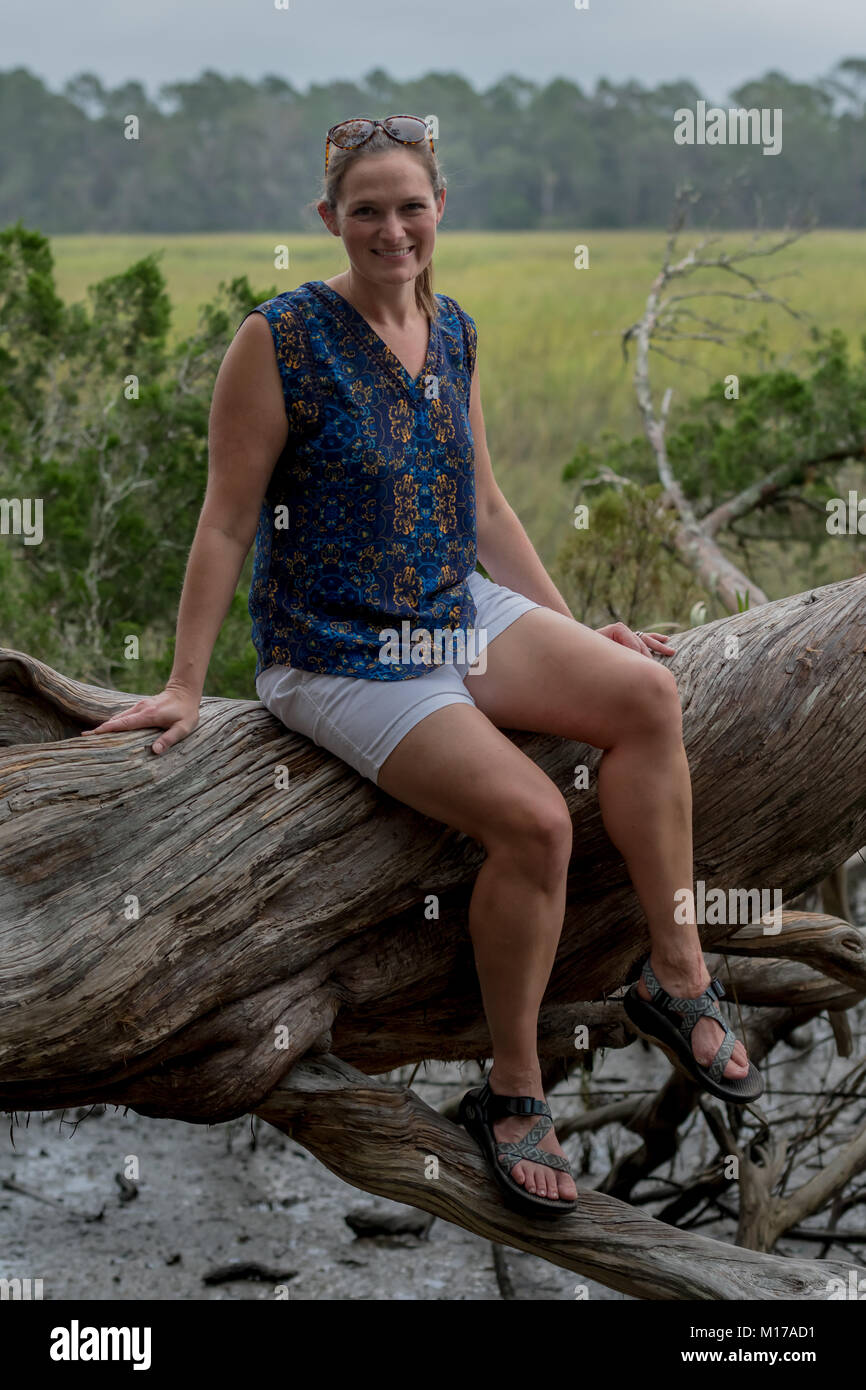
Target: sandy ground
[{"x": 236, "y": 1193}]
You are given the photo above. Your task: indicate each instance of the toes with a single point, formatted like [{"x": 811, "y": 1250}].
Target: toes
[
  {"x": 538, "y": 1178},
  {"x": 552, "y": 1187},
  {"x": 518, "y": 1173},
  {"x": 739, "y": 1061},
  {"x": 542, "y": 1181},
  {"x": 738, "y": 1064},
  {"x": 541, "y": 1176}
]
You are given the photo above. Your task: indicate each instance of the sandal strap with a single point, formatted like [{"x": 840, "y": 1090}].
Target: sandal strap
[
  {"x": 723, "y": 1056},
  {"x": 527, "y": 1149},
  {"x": 498, "y": 1106},
  {"x": 686, "y": 1013},
  {"x": 690, "y": 1009}
]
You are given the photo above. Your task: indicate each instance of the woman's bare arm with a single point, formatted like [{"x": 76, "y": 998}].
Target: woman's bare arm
[
  {"x": 246, "y": 435},
  {"x": 247, "y": 432}
]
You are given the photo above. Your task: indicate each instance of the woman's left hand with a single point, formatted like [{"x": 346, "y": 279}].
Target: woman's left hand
[{"x": 644, "y": 642}]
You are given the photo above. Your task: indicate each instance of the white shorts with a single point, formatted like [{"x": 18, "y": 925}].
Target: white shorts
[{"x": 362, "y": 721}]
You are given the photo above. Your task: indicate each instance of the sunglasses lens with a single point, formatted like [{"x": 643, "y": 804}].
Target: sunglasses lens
[
  {"x": 350, "y": 133},
  {"x": 409, "y": 128}
]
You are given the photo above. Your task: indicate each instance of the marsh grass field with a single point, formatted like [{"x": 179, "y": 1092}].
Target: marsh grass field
[{"x": 550, "y": 352}]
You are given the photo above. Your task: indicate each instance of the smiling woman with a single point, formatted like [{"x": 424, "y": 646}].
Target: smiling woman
[{"x": 347, "y": 436}]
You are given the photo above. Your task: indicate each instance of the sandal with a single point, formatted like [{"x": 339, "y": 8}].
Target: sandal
[
  {"x": 479, "y": 1109},
  {"x": 668, "y": 1021}
]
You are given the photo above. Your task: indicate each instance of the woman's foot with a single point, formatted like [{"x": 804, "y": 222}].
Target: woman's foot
[
  {"x": 707, "y": 1033},
  {"x": 535, "y": 1177}
]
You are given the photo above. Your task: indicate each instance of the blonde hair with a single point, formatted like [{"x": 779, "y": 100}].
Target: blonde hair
[{"x": 340, "y": 160}]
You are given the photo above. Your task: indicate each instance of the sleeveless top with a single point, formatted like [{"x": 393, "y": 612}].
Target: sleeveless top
[{"x": 367, "y": 532}]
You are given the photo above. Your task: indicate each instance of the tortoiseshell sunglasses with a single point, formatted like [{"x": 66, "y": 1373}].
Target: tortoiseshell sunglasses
[{"x": 347, "y": 135}]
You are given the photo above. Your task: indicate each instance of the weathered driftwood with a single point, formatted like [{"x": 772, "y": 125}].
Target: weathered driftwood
[
  {"x": 262, "y": 906},
  {"x": 178, "y": 933},
  {"x": 409, "y": 1153}
]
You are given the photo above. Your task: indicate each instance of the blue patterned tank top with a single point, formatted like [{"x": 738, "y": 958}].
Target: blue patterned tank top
[{"x": 368, "y": 522}]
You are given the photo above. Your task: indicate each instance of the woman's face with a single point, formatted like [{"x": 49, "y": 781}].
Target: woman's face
[{"x": 386, "y": 205}]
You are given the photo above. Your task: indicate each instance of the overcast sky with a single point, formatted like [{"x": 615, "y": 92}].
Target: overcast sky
[{"x": 718, "y": 45}]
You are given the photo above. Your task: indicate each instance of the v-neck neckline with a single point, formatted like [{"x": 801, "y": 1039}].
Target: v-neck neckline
[{"x": 359, "y": 325}]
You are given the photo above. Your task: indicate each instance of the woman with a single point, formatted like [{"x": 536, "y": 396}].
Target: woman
[{"x": 347, "y": 434}]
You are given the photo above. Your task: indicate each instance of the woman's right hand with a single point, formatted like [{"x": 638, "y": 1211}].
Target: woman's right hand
[{"x": 175, "y": 710}]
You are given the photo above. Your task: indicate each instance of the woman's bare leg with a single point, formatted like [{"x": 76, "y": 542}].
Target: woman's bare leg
[
  {"x": 551, "y": 674},
  {"x": 491, "y": 791}
]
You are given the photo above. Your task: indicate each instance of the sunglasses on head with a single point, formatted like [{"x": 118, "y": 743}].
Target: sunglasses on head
[{"x": 347, "y": 135}]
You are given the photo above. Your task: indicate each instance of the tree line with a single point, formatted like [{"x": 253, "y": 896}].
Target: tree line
[{"x": 222, "y": 153}]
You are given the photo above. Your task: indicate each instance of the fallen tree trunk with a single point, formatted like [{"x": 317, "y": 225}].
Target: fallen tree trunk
[
  {"x": 178, "y": 933},
  {"x": 161, "y": 919}
]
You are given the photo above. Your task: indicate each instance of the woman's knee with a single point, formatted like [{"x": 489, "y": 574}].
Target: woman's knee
[
  {"x": 536, "y": 833},
  {"x": 654, "y": 703}
]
